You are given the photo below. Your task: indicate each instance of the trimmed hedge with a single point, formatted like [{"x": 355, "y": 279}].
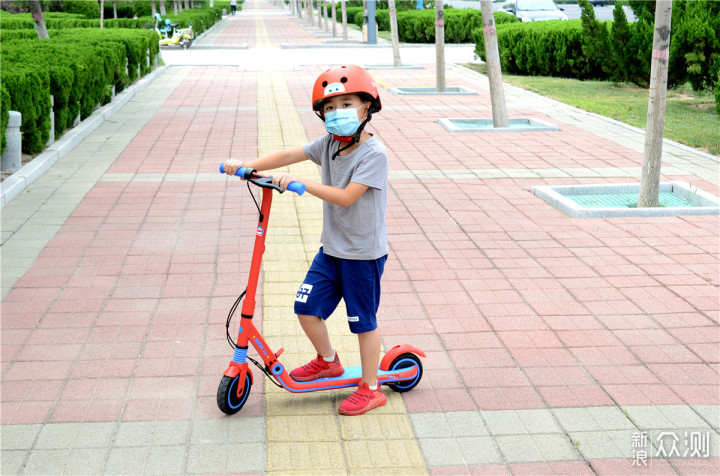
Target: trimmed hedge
[
  {"x": 618, "y": 50},
  {"x": 418, "y": 26},
  {"x": 540, "y": 49},
  {"x": 4, "y": 115},
  {"x": 79, "y": 65}
]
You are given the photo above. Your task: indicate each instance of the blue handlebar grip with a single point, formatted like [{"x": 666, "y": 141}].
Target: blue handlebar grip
[
  {"x": 239, "y": 172},
  {"x": 296, "y": 187}
]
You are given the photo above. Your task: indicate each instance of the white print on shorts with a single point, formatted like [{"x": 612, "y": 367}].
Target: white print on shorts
[
  {"x": 303, "y": 293},
  {"x": 354, "y": 318}
]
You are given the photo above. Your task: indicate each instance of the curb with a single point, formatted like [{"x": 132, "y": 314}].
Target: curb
[{"x": 33, "y": 170}]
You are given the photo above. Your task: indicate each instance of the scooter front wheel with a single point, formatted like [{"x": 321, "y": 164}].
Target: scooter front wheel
[
  {"x": 228, "y": 399},
  {"x": 187, "y": 43},
  {"x": 404, "y": 361}
]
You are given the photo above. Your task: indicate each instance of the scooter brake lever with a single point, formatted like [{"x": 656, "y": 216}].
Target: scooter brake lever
[{"x": 266, "y": 182}]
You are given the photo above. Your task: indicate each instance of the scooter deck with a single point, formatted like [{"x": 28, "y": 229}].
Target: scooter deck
[{"x": 349, "y": 378}]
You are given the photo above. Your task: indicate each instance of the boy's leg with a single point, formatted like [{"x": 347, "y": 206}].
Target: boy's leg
[
  {"x": 366, "y": 398},
  {"x": 317, "y": 298},
  {"x": 327, "y": 364},
  {"x": 316, "y": 330},
  {"x": 369, "y": 355}
]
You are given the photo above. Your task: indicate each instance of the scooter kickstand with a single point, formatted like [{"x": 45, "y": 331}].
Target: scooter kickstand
[{"x": 277, "y": 354}]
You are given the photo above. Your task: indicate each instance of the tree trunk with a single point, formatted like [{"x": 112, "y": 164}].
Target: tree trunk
[
  {"x": 394, "y": 34},
  {"x": 343, "y": 9},
  {"x": 325, "y": 15},
  {"x": 38, "y": 19},
  {"x": 153, "y": 10},
  {"x": 334, "y": 19},
  {"x": 177, "y": 7},
  {"x": 163, "y": 11},
  {"x": 186, "y": 5},
  {"x": 439, "y": 47},
  {"x": 102, "y": 14},
  {"x": 319, "y": 14},
  {"x": 650, "y": 180},
  {"x": 115, "y": 9},
  {"x": 497, "y": 95}
]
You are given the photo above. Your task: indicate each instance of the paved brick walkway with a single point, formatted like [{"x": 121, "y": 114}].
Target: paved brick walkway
[{"x": 553, "y": 343}]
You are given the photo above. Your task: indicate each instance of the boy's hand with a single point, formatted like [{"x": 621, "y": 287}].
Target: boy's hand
[
  {"x": 282, "y": 180},
  {"x": 231, "y": 166}
]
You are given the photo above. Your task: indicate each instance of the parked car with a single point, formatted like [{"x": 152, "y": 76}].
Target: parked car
[
  {"x": 535, "y": 10},
  {"x": 596, "y": 3}
]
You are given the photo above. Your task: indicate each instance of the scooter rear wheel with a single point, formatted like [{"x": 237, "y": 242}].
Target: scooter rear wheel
[
  {"x": 404, "y": 361},
  {"x": 228, "y": 400}
]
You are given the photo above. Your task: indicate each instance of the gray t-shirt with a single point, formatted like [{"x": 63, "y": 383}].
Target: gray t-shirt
[{"x": 358, "y": 231}]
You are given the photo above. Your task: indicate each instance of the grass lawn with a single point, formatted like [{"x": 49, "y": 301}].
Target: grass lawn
[{"x": 690, "y": 116}]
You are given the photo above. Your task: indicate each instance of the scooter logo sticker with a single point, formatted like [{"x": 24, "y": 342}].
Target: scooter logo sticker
[
  {"x": 303, "y": 293},
  {"x": 260, "y": 231}
]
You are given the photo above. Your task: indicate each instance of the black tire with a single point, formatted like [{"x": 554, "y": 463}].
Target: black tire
[
  {"x": 227, "y": 398},
  {"x": 404, "y": 361},
  {"x": 187, "y": 43}
]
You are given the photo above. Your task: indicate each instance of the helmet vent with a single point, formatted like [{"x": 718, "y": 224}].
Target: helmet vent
[
  {"x": 324, "y": 84},
  {"x": 343, "y": 79}
]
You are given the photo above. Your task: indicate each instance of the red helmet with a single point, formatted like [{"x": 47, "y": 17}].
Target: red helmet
[{"x": 341, "y": 80}]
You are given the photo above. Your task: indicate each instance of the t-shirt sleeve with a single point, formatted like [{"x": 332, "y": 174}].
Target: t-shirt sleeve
[
  {"x": 372, "y": 170},
  {"x": 316, "y": 149}
]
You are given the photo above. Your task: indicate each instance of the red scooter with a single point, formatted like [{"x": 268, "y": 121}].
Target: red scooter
[{"x": 400, "y": 368}]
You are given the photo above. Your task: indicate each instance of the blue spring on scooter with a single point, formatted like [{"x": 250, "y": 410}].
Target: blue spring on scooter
[{"x": 240, "y": 355}]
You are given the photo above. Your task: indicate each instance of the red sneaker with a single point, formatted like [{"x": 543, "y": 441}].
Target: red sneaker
[
  {"x": 362, "y": 400},
  {"x": 318, "y": 368}
]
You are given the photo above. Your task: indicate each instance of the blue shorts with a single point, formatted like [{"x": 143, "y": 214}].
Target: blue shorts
[{"x": 331, "y": 279}]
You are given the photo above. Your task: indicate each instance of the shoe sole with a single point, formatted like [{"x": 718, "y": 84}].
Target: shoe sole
[
  {"x": 371, "y": 406},
  {"x": 323, "y": 374}
]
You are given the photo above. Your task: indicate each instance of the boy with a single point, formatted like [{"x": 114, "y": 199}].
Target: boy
[{"x": 350, "y": 263}]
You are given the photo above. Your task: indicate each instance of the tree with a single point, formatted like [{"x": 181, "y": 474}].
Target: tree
[
  {"x": 394, "y": 34},
  {"x": 38, "y": 19},
  {"x": 595, "y": 43},
  {"x": 102, "y": 14},
  {"x": 163, "y": 11},
  {"x": 492, "y": 55},
  {"x": 619, "y": 38},
  {"x": 650, "y": 180}
]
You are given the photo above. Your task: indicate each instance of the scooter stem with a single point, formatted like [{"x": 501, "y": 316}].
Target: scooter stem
[{"x": 248, "y": 307}]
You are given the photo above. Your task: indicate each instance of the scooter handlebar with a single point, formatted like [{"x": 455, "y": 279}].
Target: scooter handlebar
[{"x": 248, "y": 174}]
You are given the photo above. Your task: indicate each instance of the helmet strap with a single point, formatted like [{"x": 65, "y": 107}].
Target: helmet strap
[{"x": 351, "y": 139}]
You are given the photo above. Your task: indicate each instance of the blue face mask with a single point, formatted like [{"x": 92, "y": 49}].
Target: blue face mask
[{"x": 342, "y": 122}]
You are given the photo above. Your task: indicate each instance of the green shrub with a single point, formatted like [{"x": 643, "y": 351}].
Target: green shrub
[
  {"x": 620, "y": 34},
  {"x": 418, "y": 26},
  {"x": 88, "y": 9},
  {"x": 695, "y": 45},
  {"x": 717, "y": 93},
  {"x": 595, "y": 43},
  {"x": 539, "y": 48},
  {"x": 4, "y": 116},
  {"x": 28, "y": 89}
]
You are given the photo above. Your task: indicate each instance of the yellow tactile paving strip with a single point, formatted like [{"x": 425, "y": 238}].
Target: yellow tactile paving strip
[
  {"x": 304, "y": 432},
  {"x": 262, "y": 39}
]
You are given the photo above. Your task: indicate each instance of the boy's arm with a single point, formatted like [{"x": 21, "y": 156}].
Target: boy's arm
[
  {"x": 343, "y": 197},
  {"x": 275, "y": 160}
]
